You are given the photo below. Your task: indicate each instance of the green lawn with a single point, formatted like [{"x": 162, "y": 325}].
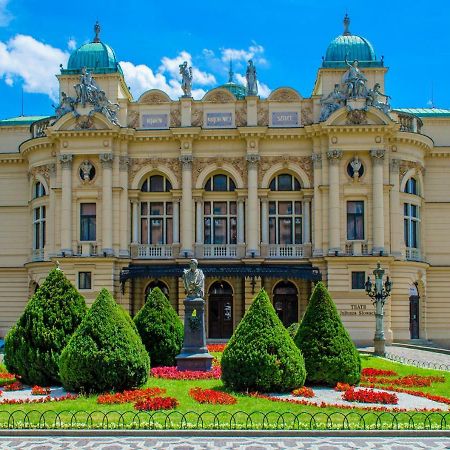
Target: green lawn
[{"x": 246, "y": 413}]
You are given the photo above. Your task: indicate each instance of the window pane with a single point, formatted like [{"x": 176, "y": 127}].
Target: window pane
[
  {"x": 88, "y": 209},
  {"x": 414, "y": 234},
  {"x": 168, "y": 185},
  {"x": 272, "y": 231},
  {"x": 36, "y": 236},
  {"x": 233, "y": 208},
  {"x": 414, "y": 211},
  {"x": 207, "y": 208},
  {"x": 358, "y": 280},
  {"x": 156, "y": 231},
  {"x": 37, "y": 213},
  {"x": 298, "y": 230},
  {"x": 169, "y": 208},
  {"x": 43, "y": 235},
  {"x": 208, "y": 185},
  {"x": 405, "y": 209},
  {"x": 220, "y": 231},
  {"x": 156, "y": 183},
  {"x": 272, "y": 185},
  {"x": 351, "y": 227},
  {"x": 43, "y": 212},
  {"x": 144, "y": 208},
  {"x": 169, "y": 231},
  {"x": 405, "y": 232},
  {"x": 359, "y": 227},
  {"x": 220, "y": 183},
  {"x": 156, "y": 209},
  {"x": 207, "y": 231},
  {"x": 285, "y": 230},
  {"x": 233, "y": 230},
  {"x": 84, "y": 280},
  {"x": 296, "y": 184},
  {"x": 232, "y": 185},
  {"x": 144, "y": 187},
  {"x": 284, "y": 208},
  {"x": 272, "y": 208},
  {"x": 298, "y": 208},
  {"x": 285, "y": 182},
  {"x": 144, "y": 231},
  {"x": 220, "y": 208}
]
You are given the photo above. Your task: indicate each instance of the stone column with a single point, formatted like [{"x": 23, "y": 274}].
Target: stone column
[
  {"x": 176, "y": 220},
  {"x": 124, "y": 251},
  {"x": 186, "y": 206},
  {"x": 396, "y": 238},
  {"x": 377, "y": 200},
  {"x": 265, "y": 221},
  {"x": 135, "y": 212},
  {"x": 107, "y": 201},
  {"x": 334, "y": 217},
  {"x": 318, "y": 241},
  {"x": 240, "y": 221},
  {"x": 50, "y": 246},
  {"x": 66, "y": 204},
  {"x": 199, "y": 220},
  {"x": 306, "y": 220},
  {"x": 252, "y": 205}
]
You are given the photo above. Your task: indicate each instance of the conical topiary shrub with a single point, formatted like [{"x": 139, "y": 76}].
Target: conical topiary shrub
[
  {"x": 106, "y": 352},
  {"x": 160, "y": 328},
  {"x": 261, "y": 356},
  {"x": 329, "y": 352},
  {"x": 34, "y": 344}
]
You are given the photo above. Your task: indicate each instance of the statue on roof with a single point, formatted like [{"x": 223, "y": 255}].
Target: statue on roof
[
  {"x": 107, "y": 108},
  {"x": 186, "y": 79},
  {"x": 250, "y": 75},
  {"x": 66, "y": 104},
  {"x": 355, "y": 80},
  {"x": 87, "y": 89},
  {"x": 373, "y": 96},
  {"x": 332, "y": 102}
]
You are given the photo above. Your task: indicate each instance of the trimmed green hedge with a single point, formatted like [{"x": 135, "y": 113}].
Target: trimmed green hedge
[
  {"x": 106, "y": 352},
  {"x": 34, "y": 344},
  {"x": 160, "y": 328},
  {"x": 329, "y": 352},
  {"x": 261, "y": 356}
]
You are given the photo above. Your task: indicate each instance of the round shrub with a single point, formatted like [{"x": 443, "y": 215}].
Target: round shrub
[
  {"x": 261, "y": 356},
  {"x": 329, "y": 352},
  {"x": 33, "y": 346},
  {"x": 160, "y": 328},
  {"x": 106, "y": 352}
]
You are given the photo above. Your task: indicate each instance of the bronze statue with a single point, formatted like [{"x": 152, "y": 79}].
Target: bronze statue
[
  {"x": 186, "y": 79},
  {"x": 194, "y": 280}
]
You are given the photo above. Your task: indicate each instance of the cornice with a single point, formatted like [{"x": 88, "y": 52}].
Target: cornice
[{"x": 7, "y": 158}]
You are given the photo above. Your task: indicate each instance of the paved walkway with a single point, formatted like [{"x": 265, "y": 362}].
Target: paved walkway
[{"x": 225, "y": 443}]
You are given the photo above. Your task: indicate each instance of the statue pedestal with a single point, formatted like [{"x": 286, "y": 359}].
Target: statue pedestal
[
  {"x": 194, "y": 354},
  {"x": 357, "y": 103}
]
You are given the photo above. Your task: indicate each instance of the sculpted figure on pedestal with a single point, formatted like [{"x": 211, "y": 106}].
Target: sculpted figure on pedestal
[
  {"x": 250, "y": 75},
  {"x": 194, "y": 280},
  {"x": 186, "y": 79},
  {"x": 373, "y": 99},
  {"x": 355, "y": 80},
  {"x": 332, "y": 102}
]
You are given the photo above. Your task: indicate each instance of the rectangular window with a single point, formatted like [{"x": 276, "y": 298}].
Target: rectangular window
[
  {"x": 358, "y": 280},
  {"x": 88, "y": 221},
  {"x": 355, "y": 221},
  {"x": 411, "y": 225},
  {"x": 39, "y": 228},
  {"x": 84, "y": 280}
]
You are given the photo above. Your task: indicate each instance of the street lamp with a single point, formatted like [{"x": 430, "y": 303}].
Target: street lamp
[{"x": 378, "y": 293}]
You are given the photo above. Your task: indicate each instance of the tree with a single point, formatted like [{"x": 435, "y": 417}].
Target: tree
[
  {"x": 106, "y": 352},
  {"x": 261, "y": 356},
  {"x": 51, "y": 316},
  {"x": 160, "y": 328},
  {"x": 329, "y": 352}
]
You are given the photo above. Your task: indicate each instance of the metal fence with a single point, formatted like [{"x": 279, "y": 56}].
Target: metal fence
[
  {"x": 417, "y": 363},
  {"x": 224, "y": 420}
]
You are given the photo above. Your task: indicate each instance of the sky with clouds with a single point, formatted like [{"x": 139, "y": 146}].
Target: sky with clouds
[{"x": 286, "y": 40}]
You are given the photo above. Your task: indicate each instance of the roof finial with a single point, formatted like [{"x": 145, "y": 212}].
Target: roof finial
[
  {"x": 230, "y": 72},
  {"x": 346, "y": 25},
  {"x": 97, "y": 32}
]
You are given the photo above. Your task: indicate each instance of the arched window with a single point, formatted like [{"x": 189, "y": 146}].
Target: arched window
[
  {"x": 285, "y": 302},
  {"x": 156, "y": 183},
  {"x": 284, "y": 182},
  {"x": 156, "y": 213},
  {"x": 220, "y": 183},
  {"x": 39, "y": 190},
  {"x": 411, "y": 186},
  {"x": 159, "y": 284}
]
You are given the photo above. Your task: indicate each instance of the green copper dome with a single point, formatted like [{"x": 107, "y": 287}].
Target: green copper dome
[
  {"x": 236, "y": 89},
  {"x": 96, "y": 56},
  {"x": 352, "y": 47}
]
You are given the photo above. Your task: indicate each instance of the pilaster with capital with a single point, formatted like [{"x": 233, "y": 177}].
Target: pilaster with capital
[
  {"x": 51, "y": 245},
  {"x": 317, "y": 205},
  {"x": 252, "y": 204},
  {"x": 107, "y": 203},
  {"x": 66, "y": 203},
  {"x": 187, "y": 230},
  {"x": 334, "y": 210},
  {"x": 377, "y": 200},
  {"x": 199, "y": 220},
  {"x": 396, "y": 221},
  {"x": 124, "y": 163}
]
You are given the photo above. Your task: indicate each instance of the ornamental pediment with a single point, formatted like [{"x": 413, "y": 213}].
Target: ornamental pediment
[
  {"x": 363, "y": 116},
  {"x": 285, "y": 94},
  {"x": 154, "y": 96},
  {"x": 82, "y": 121}
]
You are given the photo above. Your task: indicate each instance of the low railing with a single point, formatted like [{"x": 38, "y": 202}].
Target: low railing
[
  {"x": 151, "y": 251},
  {"x": 38, "y": 128},
  {"x": 409, "y": 122},
  {"x": 87, "y": 249},
  {"x": 416, "y": 362},
  {"x": 38, "y": 254},
  {"x": 288, "y": 251},
  {"x": 219, "y": 251},
  {"x": 413, "y": 254},
  {"x": 356, "y": 248}
]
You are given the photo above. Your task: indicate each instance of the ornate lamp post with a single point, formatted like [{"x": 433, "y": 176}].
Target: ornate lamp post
[{"x": 379, "y": 292}]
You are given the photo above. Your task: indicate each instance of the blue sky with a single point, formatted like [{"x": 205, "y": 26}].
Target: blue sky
[{"x": 286, "y": 39}]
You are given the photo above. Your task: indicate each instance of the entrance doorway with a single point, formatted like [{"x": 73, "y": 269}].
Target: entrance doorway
[
  {"x": 220, "y": 310},
  {"x": 285, "y": 302},
  {"x": 414, "y": 311},
  {"x": 157, "y": 283}
]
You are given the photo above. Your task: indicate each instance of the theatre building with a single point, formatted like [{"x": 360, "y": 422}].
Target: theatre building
[{"x": 276, "y": 192}]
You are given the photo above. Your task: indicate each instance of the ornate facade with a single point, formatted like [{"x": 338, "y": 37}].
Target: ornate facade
[{"x": 275, "y": 193}]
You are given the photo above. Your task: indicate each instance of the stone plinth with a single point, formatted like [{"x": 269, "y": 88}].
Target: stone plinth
[{"x": 194, "y": 354}]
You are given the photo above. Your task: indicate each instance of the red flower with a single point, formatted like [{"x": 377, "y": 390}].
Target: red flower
[
  {"x": 409, "y": 380},
  {"x": 16, "y": 386},
  {"x": 129, "y": 396},
  {"x": 38, "y": 390},
  {"x": 342, "y": 387},
  {"x": 303, "y": 392},
  {"x": 6, "y": 378},
  {"x": 46, "y": 399},
  {"x": 217, "y": 348},
  {"x": 371, "y": 372},
  {"x": 156, "y": 403},
  {"x": 172, "y": 373},
  {"x": 369, "y": 396},
  {"x": 211, "y": 396}
]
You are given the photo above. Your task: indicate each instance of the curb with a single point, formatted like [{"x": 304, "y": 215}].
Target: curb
[
  {"x": 225, "y": 433},
  {"x": 442, "y": 351}
]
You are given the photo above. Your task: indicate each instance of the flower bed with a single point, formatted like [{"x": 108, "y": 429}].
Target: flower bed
[
  {"x": 407, "y": 381},
  {"x": 156, "y": 403},
  {"x": 369, "y": 396},
  {"x": 211, "y": 396},
  {"x": 7, "y": 401},
  {"x": 172, "y": 373},
  {"x": 129, "y": 396},
  {"x": 216, "y": 348},
  {"x": 342, "y": 387},
  {"x": 15, "y": 386},
  {"x": 371, "y": 372},
  {"x": 39, "y": 390},
  {"x": 303, "y": 392},
  {"x": 6, "y": 378}
]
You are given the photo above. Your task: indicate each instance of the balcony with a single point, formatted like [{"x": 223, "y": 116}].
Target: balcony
[
  {"x": 38, "y": 254},
  {"x": 289, "y": 251},
  {"x": 87, "y": 249},
  {"x": 413, "y": 254},
  {"x": 38, "y": 128},
  {"x": 151, "y": 251},
  {"x": 217, "y": 251},
  {"x": 356, "y": 248}
]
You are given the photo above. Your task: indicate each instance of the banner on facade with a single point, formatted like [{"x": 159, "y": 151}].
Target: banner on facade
[
  {"x": 155, "y": 121},
  {"x": 219, "y": 120},
  {"x": 285, "y": 119}
]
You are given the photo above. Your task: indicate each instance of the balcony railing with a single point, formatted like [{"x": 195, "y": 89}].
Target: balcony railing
[
  {"x": 87, "y": 249},
  {"x": 219, "y": 251},
  {"x": 151, "y": 251},
  {"x": 37, "y": 254},
  {"x": 38, "y": 128},
  {"x": 413, "y": 254},
  {"x": 356, "y": 248},
  {"x": 288, "y": 251}
]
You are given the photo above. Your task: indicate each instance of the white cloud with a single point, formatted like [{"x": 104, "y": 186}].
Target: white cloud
[
  {"x": 5, "y": 15},
  {"x": 71, "y": 44},
  {"x": 254, "y": 52},
  {"x": 263, "y": 89},
  {"x": 34, "y": 62}
]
